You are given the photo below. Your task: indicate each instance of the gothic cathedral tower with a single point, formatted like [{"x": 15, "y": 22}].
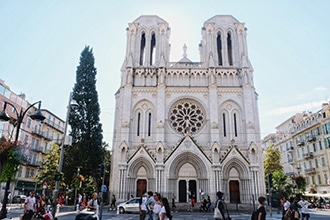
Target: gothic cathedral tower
[{"x": 187, "y": 126}]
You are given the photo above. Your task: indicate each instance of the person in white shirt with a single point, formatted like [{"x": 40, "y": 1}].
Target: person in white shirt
[
  {"x": 142, "y": 205},
  {"x": 286, "y": 206},
  {"x": 165, "y": 212},
  {"x": 304, "y": 208},
  {"x": 93, "y": 204},
  {"x": 29, "y": 206},
  {"x": 157, "y": 207}
]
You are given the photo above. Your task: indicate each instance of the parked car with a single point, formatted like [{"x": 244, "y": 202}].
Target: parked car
[
  {"x": 19, "y": 199},
  {"x": 131, "y": 205}
]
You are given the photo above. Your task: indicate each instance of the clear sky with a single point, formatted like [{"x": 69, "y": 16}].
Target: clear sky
[{"x": 288, "y": 45}]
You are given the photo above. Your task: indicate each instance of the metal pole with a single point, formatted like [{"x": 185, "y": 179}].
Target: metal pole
[{"x": 57, "y": 186}]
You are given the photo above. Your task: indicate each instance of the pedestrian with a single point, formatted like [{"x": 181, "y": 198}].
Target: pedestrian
[
  {"x": 29, "y": 206},
  {"x": 165, "y": 212},
  {"x": 304, "y": 208},
  {"x": 93, "y": 203},
  {"x": 150, "y": 204},
  {"x": 157, "y": 206},
  {"x": 41, "y": 204},
  {"x": 142, "y": 205},
  {"x": 260, "y": 213},
  {"x": 220, "y": 205},
  {"x": 294, "y": 209},
  {"x": 208, "y": 205},
  {"x": 286, "y": 209},
  {"x": 173, "y": 203},
  {"x": 79, "y": 201},
  {"x": 113, "y": 202}
]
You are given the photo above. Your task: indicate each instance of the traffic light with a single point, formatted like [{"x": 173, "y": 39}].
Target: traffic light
[
  {"x": 57, "y": 176},
  {"x": 101, "y": 169}
]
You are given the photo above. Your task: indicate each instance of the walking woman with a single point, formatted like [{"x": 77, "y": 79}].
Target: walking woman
[{"x": 165, "y": 212}]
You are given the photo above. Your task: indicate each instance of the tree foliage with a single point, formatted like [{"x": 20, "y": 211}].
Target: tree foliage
[
  {"x": 272, "y": 160},
  {"x": 50, "y": 166},
  {"x": 86, "y": 151},
  {"x": 282, "y": 184}
]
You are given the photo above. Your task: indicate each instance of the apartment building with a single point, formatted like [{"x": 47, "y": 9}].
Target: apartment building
[
  {"x": 304, "y": 142},
  {"x": 35, "y": 139}
]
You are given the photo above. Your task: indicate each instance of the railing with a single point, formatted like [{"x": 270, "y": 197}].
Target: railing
[
  {"x": 38, "y": 149},
  {"x": 312, "y": 138},
  {"x": 300, "y": 143},
  {"x": 290, "y": 148},
  {"x": 308, "y": 155},
  {"x": 290, "y": 160},
  {"x": 42, "y": 134},
  {"x": 310, "y": 170},
  {"x": 52, "y": 124}
]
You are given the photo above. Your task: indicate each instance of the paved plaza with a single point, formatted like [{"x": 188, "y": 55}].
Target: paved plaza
[{"x": 68, "y": 213}]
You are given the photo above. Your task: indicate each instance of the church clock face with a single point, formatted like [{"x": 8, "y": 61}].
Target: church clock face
[{"x": 187, "y": 116}]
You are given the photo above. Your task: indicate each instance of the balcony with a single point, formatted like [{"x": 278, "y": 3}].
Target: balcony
[
  {"x": 290, "y": 160},
  {"x": 41, "y": 134},
  {"x": 53, "y": 125},
  {"x": 308, "y": 155},
  {"x": 38, "y": 149},
  {"x": 34, "y": 163},
  {"x": 300, "y": 143},
  {"x": 289, "y": 149},
  {"x": 311, "y": 139},
  {"x": 310, "y": 170}
]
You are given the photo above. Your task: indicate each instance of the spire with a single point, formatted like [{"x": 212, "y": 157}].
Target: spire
[{"x": 184, "y": 51}]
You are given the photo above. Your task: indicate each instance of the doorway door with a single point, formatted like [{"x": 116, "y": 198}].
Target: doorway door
[
  {"x": 193, "y": 189},
  {"x": 234, "y": 191},
  {"x": 182, "y": 191},
  {"x": 141, "y": 186}
]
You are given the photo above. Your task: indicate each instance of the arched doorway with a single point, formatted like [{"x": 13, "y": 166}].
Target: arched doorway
[
  {"x": 187, "y": 182},
  {"x": 234, "y": 191}
]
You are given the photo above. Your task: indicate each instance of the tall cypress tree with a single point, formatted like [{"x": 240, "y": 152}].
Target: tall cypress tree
[{"x": 86, "y": 151}]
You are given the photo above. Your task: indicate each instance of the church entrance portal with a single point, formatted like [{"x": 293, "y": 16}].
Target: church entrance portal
[
  {"x": 140, "y": 187},
  {"x": 183, "y": 190},
  {"x": 234, "y": 191}
]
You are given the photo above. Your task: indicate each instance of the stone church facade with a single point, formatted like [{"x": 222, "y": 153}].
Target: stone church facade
[{"x": 187, "y": 128}]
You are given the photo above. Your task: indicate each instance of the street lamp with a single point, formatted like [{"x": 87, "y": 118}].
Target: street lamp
[
  {"x": 20, "y": 116},
  {"x": 72, "y": 103}
]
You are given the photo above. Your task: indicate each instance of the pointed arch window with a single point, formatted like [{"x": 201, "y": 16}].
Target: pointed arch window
[
  {"x": 219, "y": 49},
  {"x": 152, "y": 48},
  {"x": 235, "y": 124},
  {"x": 149, "y": 124},
  {"x": 138, "y": 124},
  {"x": 224, "y": 124},
  {"x": 142, "y": 48},
  {"x": 230, "y": 49}
]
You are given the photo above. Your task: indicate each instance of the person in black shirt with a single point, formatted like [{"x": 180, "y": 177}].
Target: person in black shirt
[{"x": 261, "y": 208}]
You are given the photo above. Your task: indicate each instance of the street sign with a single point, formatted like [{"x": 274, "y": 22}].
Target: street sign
[{"x": 104, "y": 188}]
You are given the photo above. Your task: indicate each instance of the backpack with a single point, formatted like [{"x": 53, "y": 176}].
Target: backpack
[{"x": 254, "y": 215}]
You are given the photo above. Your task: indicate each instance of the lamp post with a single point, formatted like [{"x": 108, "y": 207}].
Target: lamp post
[
  {"x": 75, "y": 190},
  {"x": 20, "y": 116},
  {"x": 71, "y": 103}
]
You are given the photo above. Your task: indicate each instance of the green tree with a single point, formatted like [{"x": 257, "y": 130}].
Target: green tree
[
  {"x": 86, "y": 151},
  {"x": 50, "y": 167},
  {"x": 272, "y": 160},
  {"x": 282, "y": 184}
]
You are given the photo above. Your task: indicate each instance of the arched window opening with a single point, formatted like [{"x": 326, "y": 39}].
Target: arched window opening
[
  {"x": 219, "y": 49},
  {"x": 235, "y": 124},
  {"x": 138, "y": 124},
  {"x": 152, "y": 49},
  {"x": 142, "y": 49},
  {"x": 149, "y": 124},
  {"x": 224, "y": 124},
  {"x": 230, "y": 49}
]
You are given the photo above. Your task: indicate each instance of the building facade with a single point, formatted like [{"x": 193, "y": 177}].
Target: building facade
[
  {"x": 35, "y": 140},
  {"x": 187, "y": 128},
  {"x": 304, "y": 143}
]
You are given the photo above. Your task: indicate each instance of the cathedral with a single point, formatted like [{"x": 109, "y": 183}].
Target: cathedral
[{"x": 187, "y": 128}]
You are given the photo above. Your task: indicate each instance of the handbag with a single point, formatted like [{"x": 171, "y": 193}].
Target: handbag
[
  {"x": 296, "y": 214},
  {"x": 217, "y": 214}
]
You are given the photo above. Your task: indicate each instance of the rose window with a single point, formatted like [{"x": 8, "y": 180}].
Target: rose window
[{"x": 186, "y": 116}]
